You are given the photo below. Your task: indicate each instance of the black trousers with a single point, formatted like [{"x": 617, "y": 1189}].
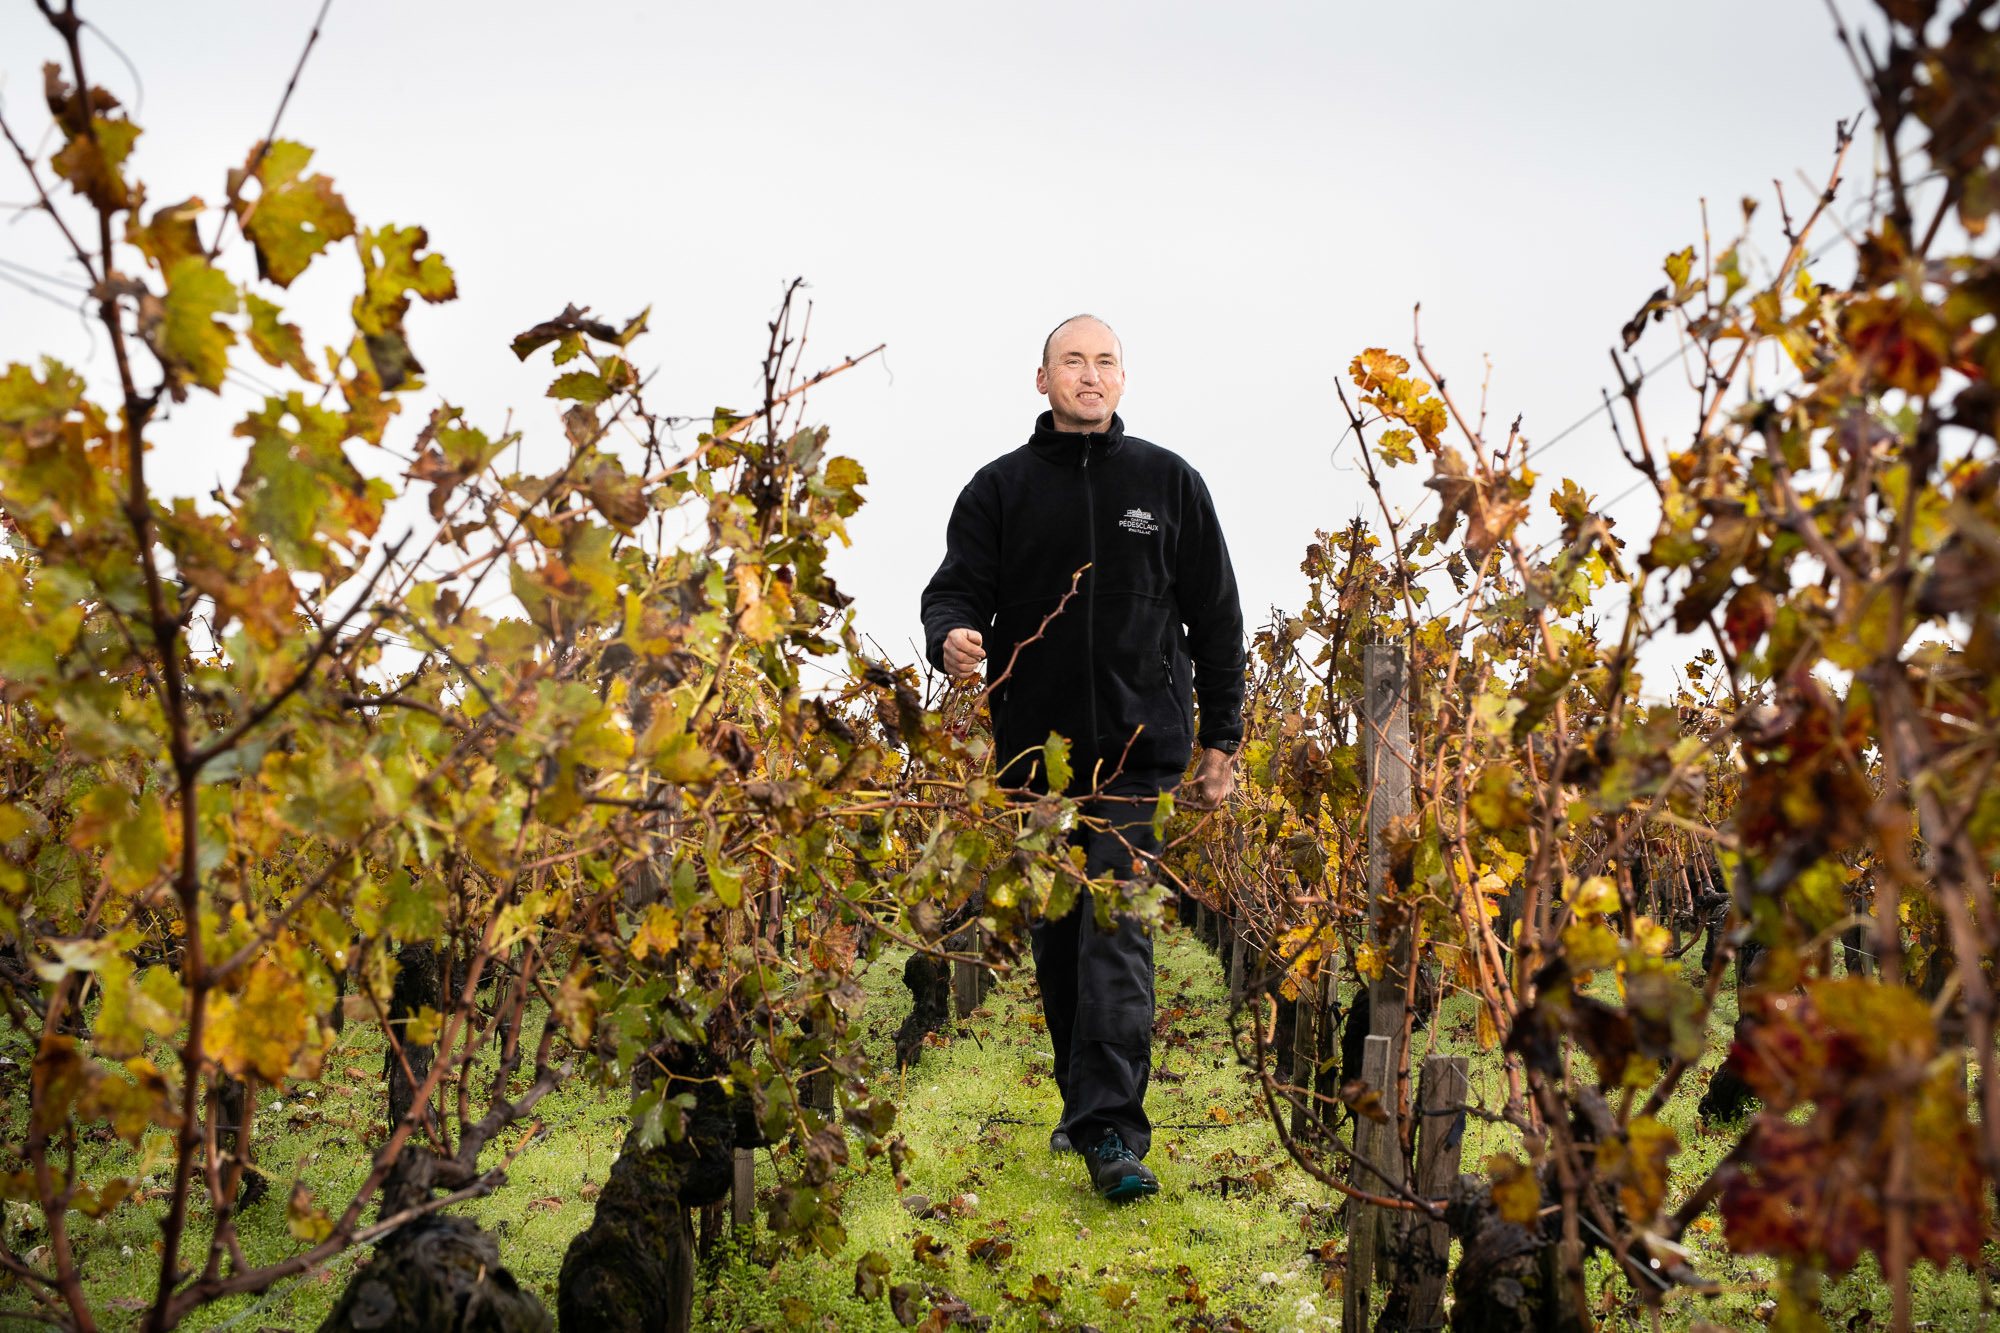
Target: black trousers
[{"x": 1097, "y": 985}]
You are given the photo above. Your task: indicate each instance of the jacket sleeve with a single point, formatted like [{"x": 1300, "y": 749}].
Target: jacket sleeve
[
  {"x": 1214, "y": 616},
  {"x": 965, "y": 589}
]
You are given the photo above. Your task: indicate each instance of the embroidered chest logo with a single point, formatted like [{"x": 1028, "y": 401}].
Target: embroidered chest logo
[{"x": 1138, "y": 520}]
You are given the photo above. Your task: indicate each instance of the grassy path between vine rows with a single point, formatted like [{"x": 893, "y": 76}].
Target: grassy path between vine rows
[
  {"x": 1237, "y": 1234},
  {"x": 1234, "y": 1232},
  {"x": 1239, "y": 1237}
]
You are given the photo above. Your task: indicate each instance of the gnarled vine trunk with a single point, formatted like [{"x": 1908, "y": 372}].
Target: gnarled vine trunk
[
  {"x": 929, "y": 982},
  {"x": 632, "y": 1269},
  {"x": 438, "y": 1274},
  {"x": 419, "y": 984},
  {"x": 1508, "y": 1278}
]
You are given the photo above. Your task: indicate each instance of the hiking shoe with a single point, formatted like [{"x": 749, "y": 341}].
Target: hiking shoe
[
  {"x": 1059, "y": 1141},
  {"x": 1116, "y": 1172}
]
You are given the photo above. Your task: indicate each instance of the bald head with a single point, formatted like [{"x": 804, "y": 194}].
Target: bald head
[
  {"x": 1055, "y": 335},
  {"x": 1082, "y": 373}
]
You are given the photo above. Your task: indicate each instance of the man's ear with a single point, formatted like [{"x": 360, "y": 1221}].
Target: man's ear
[{"x": 1042, "y": 380}]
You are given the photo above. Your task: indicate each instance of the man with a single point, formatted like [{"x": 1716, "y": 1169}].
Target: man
[{"x": 1154, "y": 616}]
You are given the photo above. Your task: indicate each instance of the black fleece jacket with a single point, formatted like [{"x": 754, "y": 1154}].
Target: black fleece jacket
[{"x": 1155, "y": 616}]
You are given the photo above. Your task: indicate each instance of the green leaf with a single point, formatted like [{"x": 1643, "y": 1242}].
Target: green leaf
[
  {"x": 294, "y": 217},
  {"x": 279, "y": 343},
  {"x": 299, "y": 488},
  {"x": 581, "y": 385},
  {"x": 725, "y": 879},
  {"x": 138, "y": 851},
  {"x": 132, "y": 1008},
  {"x": 190, "y": 338},
  {"x": 681, "y": 759},
  {"x": 1055, "y": 762},
  {"x": 170, "y": 237},
  {"x": 392, "y": 273}
]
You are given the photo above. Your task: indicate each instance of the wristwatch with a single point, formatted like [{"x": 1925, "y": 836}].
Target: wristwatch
[{"x": 1227, "y": 747}]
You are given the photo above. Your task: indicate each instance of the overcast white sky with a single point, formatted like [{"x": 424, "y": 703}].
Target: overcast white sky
[{"x": 1250, "y": 193}]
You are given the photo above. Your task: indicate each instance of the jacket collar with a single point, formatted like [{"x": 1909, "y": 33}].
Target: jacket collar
[{"x": 1061, "y": 446}]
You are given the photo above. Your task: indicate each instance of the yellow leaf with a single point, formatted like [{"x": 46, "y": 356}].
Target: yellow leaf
[
  {"x": 1516, "y": 1192},
  {"x": 758, "y": 621},
  {"x": 1369, "y": 961},
  {"x": 262, "y": 1029},
  {"x": 305, "y": 1221},
  {"x": 1638, "y": 1163},
  {"x": 1375, "y": 367},
  {"x": 421, "y": 1028},
  {"x": 1594, "y": 897},
  {"x": 576, "y": 1004},
  {"x": 658, "y": 933},
  {"x": 1589, "y": 945}
]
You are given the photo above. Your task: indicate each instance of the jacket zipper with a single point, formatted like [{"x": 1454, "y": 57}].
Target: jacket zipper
[{"x": 1090, "y": 592}]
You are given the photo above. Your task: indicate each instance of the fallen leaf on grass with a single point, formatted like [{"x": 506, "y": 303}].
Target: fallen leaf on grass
[
  {"x": 870, "y": 1272},
  {"x": 1043, "y": 1290},
  {"x": 990, "y": 1250},
  {"x": 904, "y": 1299},
  {"x": 1190, "y": 1292}
]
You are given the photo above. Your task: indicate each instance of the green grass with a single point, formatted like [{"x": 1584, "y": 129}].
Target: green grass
[{"x": 977, "y": 1110}]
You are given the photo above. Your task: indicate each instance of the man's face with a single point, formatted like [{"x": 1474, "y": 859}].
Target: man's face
[{"x": 1084, "y": 376}]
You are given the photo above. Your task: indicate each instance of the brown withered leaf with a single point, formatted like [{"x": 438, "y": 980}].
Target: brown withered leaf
[{"x": 990, "y": 1250}]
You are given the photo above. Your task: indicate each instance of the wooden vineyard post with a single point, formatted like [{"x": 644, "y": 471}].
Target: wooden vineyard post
[
  {"x": 1238, "y": 951},
  {"x": 1386, "y": 766},
  {"x": 1375, "y": 1142},
  {"x": 1442, "y": 1088},
  {"x": 1305, "y": 1058},
  {"x": 1331, "y": 1024},
  {"x": 743, "y": 1190},
  {"x": 968, "y": 980}
]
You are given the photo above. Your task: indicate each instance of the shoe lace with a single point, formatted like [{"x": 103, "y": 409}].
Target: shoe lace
[{"x": 1111, "y": 1148}]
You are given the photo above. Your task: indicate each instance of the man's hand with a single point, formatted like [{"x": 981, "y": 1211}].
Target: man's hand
[
  {"x": 964, "y": 650},
  {"x": 1214, "y": 779}
]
